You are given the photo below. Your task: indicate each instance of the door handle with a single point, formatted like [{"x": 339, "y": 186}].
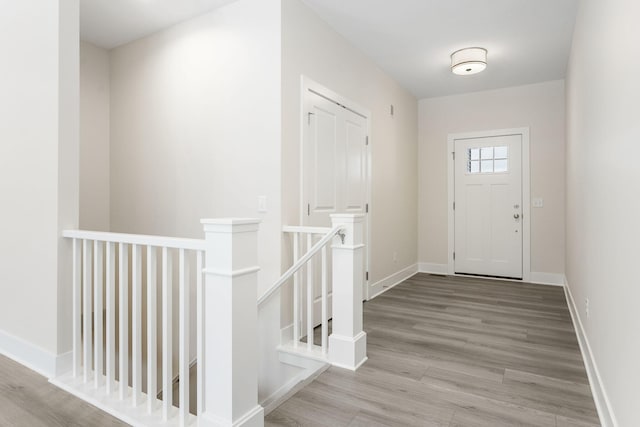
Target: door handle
[{"x": 516, "y": 216}]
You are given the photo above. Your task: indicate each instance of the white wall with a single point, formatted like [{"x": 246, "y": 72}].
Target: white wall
[
  {"x": 311, "y": 48},
  {"x": 195, "y": 133},
  {"x": 195, "y": 128},
  {"x": 539, "y": 107},
  {"x": 603, "y": 183},
  {"x": 94, "y": 137},
  {"x": 38, "y": 177}
]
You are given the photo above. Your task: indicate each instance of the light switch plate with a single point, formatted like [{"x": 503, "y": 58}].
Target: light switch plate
[
  {"x": 262, "y": 204},
  {"x": 538, "y": 202}
]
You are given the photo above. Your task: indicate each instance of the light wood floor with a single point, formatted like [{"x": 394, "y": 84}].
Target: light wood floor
[
  {"x": 28, "y": 399},
  {"x": 447, "y": 351},
  {"x": 442, "y": 352}
]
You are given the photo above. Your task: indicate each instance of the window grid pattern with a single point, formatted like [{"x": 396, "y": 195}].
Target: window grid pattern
[{"x": 488, "y": 160}]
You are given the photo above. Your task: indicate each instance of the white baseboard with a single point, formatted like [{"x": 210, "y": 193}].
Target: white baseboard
[
  {"x": 389, "y": 282},
  {"x": 311, "y": 369},
  {"x": 603, "y": 405},
  {"x": 34, "y": 357},
  {"x": 553, "y": 279},
  {"x": 427, "y": 267},
  {"x": 540, "y": 278}
]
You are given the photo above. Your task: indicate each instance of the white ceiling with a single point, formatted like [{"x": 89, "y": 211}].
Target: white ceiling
[
  {"x": 528, "y": 40},
  {"x": 111, "y": 23}
]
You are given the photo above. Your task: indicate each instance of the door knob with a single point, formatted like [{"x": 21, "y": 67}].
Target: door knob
[{"x": 516, "y": 216}]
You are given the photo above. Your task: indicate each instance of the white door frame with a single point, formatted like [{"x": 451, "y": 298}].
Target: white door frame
[
  {"x": 526, "y": 194},
  {"x": 308, "y": 85}
]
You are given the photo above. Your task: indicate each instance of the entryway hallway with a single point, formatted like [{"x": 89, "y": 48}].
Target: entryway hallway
[{"x": 456, "y": 351}]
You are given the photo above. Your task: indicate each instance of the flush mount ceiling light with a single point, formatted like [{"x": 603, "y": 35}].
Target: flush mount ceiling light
[{"x": 470, "y": 60}]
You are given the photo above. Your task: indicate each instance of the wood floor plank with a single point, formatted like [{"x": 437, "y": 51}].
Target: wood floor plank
[
  {"x": 458, "y": 351},
  {"x": 28, "y": 399}
]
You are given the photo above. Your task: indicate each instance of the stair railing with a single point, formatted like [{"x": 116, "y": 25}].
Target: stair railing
[{"x": 346, "y": 347}]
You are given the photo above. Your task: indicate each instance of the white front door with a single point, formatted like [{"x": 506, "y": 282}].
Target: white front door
[
  {"x": 488, "y": 206},
  {"x": 335, "y": 168}
]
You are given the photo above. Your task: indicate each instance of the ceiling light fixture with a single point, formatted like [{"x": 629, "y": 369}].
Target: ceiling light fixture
[{"x": 470, "y": 60}]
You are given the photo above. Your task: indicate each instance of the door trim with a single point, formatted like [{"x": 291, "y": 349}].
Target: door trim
[
  {"x": 526, "y": 194},
  {"x": 308, "y": 85}
]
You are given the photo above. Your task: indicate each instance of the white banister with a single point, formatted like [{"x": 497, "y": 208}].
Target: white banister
[
  {"x": 325, "y": 298},
  {"x": 87, "y": 327},
  {"x": 310, "y": 297},
  {"x": 226, "y": 314},
  {"x": 300, "y": 263},
  {"x": 136, "y": 324},
  {"x": 348, "y": 342},
  {"x": 123, "y": 284},
  {"x": 97, "y": 313},
  {"x": 110, "y": 263},
  {"x": 296, "y": 292},
  {"x": 167, "y": 341},
  {"x": 183, "y": 337},
  {"x": 230, "y": 321},
  {"x": 137, "y": 239},
  {"x": 152, "y": 329},
  {"x": 77, "y": 308}
]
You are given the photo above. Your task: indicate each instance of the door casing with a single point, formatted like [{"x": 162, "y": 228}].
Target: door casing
[
  {"x": 526, "y": 195},
  {"x": 308, "y": 85}
]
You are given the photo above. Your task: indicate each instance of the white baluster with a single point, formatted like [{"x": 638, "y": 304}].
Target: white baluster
[
  {"x": 184, "y": 340},
  {"x": 152, "y": 330},
  {"x": 199, "y": 334},
  {"x": 136, "y": 324},
  {"x": 123, "y": 283},
  {"x": 111, "y": 316},
  {"x": 325, "y": 297},
  {"x": 310, "y": 292},
  {"x": 86, "y": 312},
  {"x": 296, "y": 291},
  {"x": 97, "y": 313},
  {"x": 77, "y": 307},
  {"x": 167, "y": 346}
]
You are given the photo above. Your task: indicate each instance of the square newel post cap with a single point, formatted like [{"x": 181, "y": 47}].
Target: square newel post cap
[
  {"x": 346, "y": 218},
  {"x": 230, "y": 224}
]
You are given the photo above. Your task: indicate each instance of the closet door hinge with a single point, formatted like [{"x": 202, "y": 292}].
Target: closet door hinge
[
  {"x": 366, "y": 140},
  {"x": 366, "y": 276},
  {"x": 308, "y": 209},
  {"x": 454, "y": 256},
  {"x": 366, "y": 208}
]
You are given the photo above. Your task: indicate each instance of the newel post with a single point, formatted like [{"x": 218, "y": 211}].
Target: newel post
[
  {"x": 348, "y": 342},
  {"x": 230, "y": 333}
]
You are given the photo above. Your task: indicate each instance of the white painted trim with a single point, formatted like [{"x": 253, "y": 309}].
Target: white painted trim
[
  {"x": 136, "y": 239},
  {"x": 34, "y": 357},
  {"x": 526, "y": 193},
  {"x": 553, "y": 279},
  {"x": 392, "y": 280},
  {"x": 122, "y": 409},
  {"x": 305, "y": 85},
  {"x": 600, "y": 396},
  {"x": 427, "y": 267},
  {"x": 312, "y": 367}
]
